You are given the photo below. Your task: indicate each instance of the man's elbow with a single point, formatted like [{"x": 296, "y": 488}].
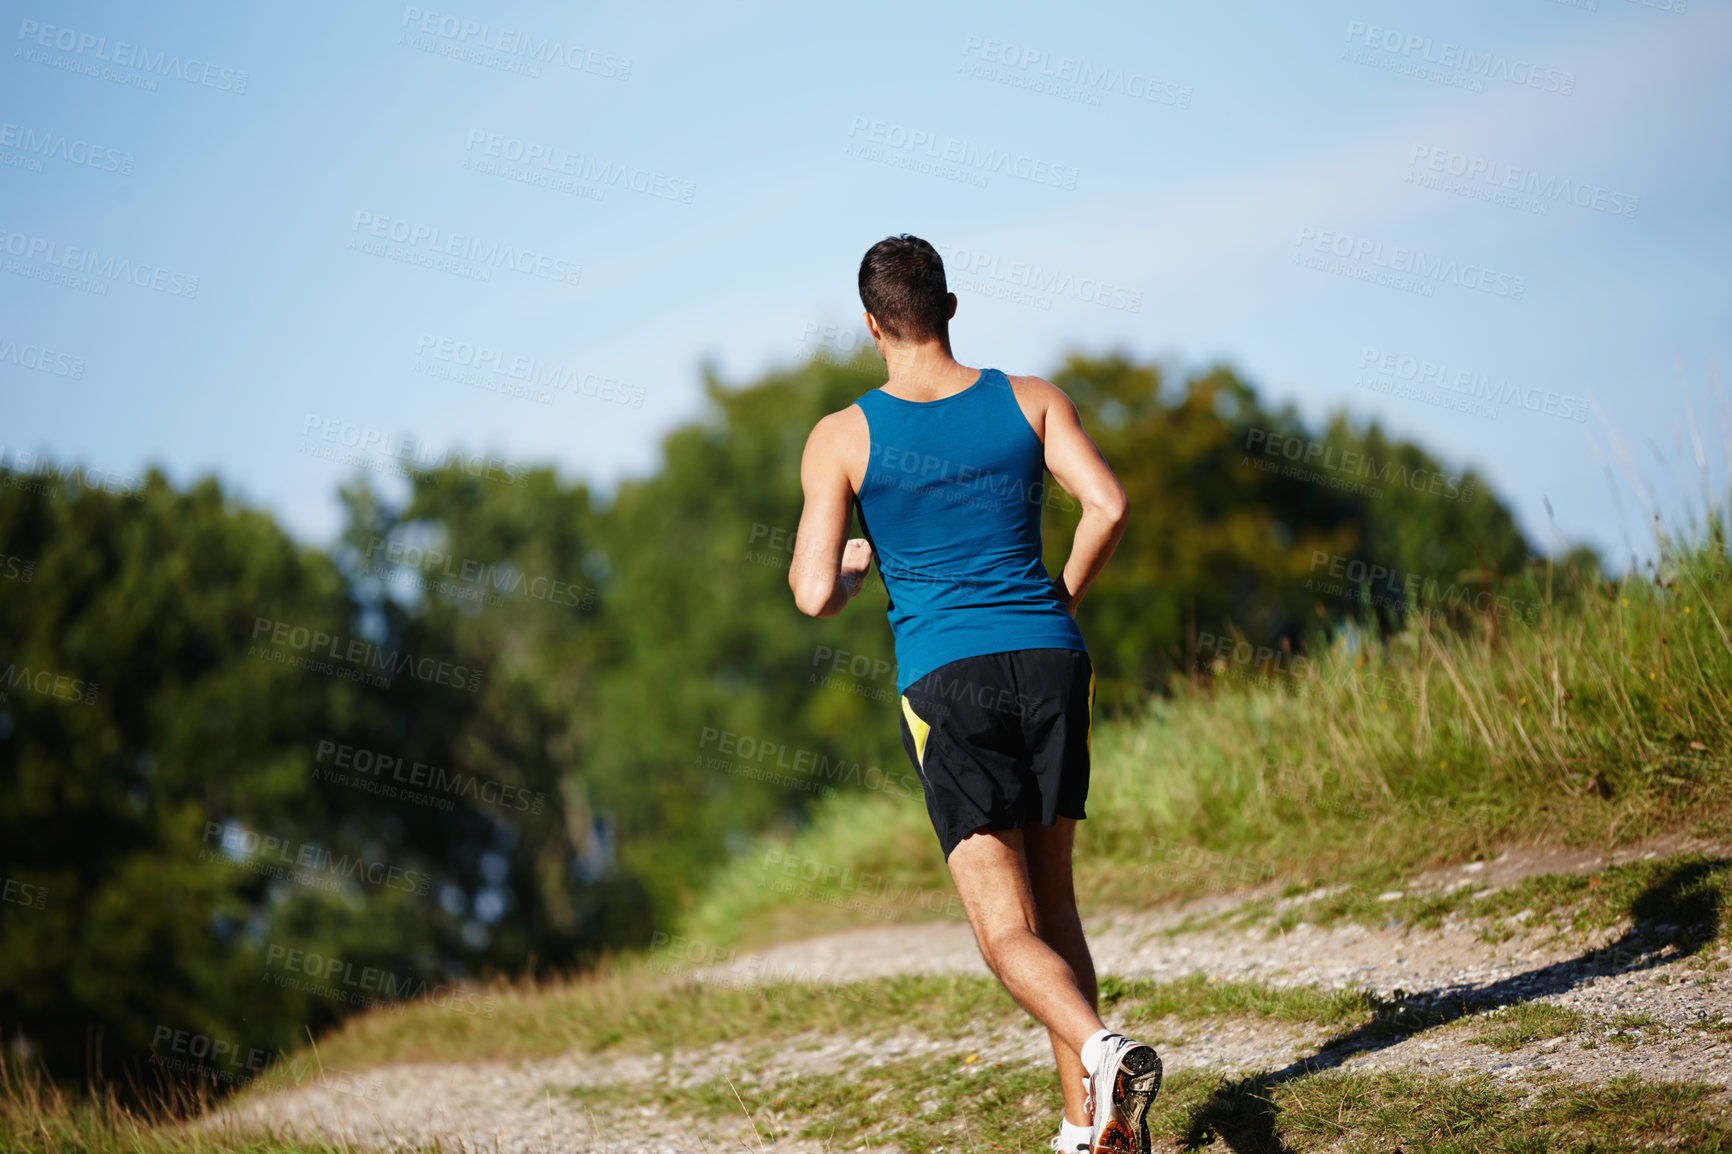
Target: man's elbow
[
  {"x": 809, "y": 601},
  {"x": 1113, "y": 508}
]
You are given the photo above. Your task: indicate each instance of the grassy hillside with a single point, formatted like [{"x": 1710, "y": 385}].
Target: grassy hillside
[
  {"x": 1603, "y": 718},
  {"x": 1583, "y": 712}
]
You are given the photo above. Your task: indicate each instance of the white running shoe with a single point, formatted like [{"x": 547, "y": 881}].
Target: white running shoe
[
  {"x": 1119, "y": 1091},
  {"x": 1081, "y": 1147}
]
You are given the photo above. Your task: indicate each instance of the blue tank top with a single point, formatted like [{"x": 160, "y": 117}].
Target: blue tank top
[{"x": 951, "y": 505}]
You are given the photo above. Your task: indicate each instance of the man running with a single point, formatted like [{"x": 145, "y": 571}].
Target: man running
[{"x": 945, "y": 465}]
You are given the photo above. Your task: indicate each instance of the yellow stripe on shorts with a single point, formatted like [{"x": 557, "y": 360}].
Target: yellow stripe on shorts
[
  {"x": 1089, "y": 733},
  {"x": 919, "y": 729}
]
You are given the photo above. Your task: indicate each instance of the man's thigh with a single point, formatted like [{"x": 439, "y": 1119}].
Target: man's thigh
[{"x": 990, "y": 870}]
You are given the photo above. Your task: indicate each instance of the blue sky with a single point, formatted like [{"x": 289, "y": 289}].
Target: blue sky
[{"x": 1518, "y": 209}]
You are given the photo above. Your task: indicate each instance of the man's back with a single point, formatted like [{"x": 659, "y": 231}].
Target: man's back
[{"x": 950, "y": 501}]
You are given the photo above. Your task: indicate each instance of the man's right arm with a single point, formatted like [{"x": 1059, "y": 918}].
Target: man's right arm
[
  {"x": 1077, "y": 465},
  {"x": 827, "y": 568}
]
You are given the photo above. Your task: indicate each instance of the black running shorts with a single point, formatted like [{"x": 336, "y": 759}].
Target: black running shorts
[{"x": 1001, "y": 741}]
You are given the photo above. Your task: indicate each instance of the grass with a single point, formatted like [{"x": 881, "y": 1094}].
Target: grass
[
  {"x": 1140, "y": 1003},
  {"x": 1681, "y": 899},
  {"x": 1483, "y": 1113},
  {"x": 39, "y": 1118},
  {"x": 925, "y": 1104},
  {"x": 1520, "y": 1025},
  {"x": 1606, "y": 720},
  {"x": 917, "y": 1104},
  {"x": 629, "y": 1009},
  {"x": 920, "y": 1103}
]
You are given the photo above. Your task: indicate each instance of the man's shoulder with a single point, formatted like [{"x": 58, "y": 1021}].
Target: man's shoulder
[
  {"x": 1038, "y": 388},
  {"x": 839, "y": 430},
  {"x": 841, "y": 422},
  {"x": 1036, "y": 397}
]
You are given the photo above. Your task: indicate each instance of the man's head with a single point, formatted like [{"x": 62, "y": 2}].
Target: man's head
[{"x": 902, "y": 287}]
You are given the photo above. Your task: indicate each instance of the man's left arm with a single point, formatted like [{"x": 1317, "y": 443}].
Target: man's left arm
[{"x": 827, "y": 569}]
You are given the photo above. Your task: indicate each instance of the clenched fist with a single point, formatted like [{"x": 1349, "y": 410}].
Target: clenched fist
[{"x": 856, "y": 561}]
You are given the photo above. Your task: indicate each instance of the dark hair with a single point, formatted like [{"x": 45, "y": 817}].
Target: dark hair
[{"x": 902, "y": 284}]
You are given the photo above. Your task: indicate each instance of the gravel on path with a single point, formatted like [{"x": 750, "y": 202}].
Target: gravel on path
[{"x": 1656, "y": 1014}]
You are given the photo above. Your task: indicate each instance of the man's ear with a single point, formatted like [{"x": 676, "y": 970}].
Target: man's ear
[
  {"x": 872, "y": 327},
  {"x": 951, "y": 298}
]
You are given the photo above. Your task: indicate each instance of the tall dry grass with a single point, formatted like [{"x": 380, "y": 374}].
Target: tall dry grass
[{"x": 1574, "y": 711}]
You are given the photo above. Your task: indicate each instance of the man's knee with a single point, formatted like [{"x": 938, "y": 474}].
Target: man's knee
[{"x": 998, "y": 942}]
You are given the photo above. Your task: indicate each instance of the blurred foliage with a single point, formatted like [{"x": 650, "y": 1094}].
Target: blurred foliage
[
  {"x": 638, "y": 672},
  {"x": 1235, "y": 507}
]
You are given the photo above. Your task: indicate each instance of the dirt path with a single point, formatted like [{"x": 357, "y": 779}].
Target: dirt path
[{"x": 1653, "y": 1013}]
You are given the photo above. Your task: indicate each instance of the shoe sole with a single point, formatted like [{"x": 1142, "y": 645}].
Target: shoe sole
[{"x": 1134, "y": 1086}]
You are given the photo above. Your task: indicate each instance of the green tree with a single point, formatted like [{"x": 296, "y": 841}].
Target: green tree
[{"x": 570, "y": 711}]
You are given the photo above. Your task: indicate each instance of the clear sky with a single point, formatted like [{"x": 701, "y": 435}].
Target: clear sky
[{"x": 1477, "y": 221}]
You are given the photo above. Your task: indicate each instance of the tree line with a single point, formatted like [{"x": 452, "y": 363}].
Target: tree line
[{"x": 249, "y": 786}]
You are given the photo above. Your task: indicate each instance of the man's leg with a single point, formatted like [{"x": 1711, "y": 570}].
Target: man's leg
[
  {"x": 990, "y": 869},
  {"x": 1048, "y": 852}
]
